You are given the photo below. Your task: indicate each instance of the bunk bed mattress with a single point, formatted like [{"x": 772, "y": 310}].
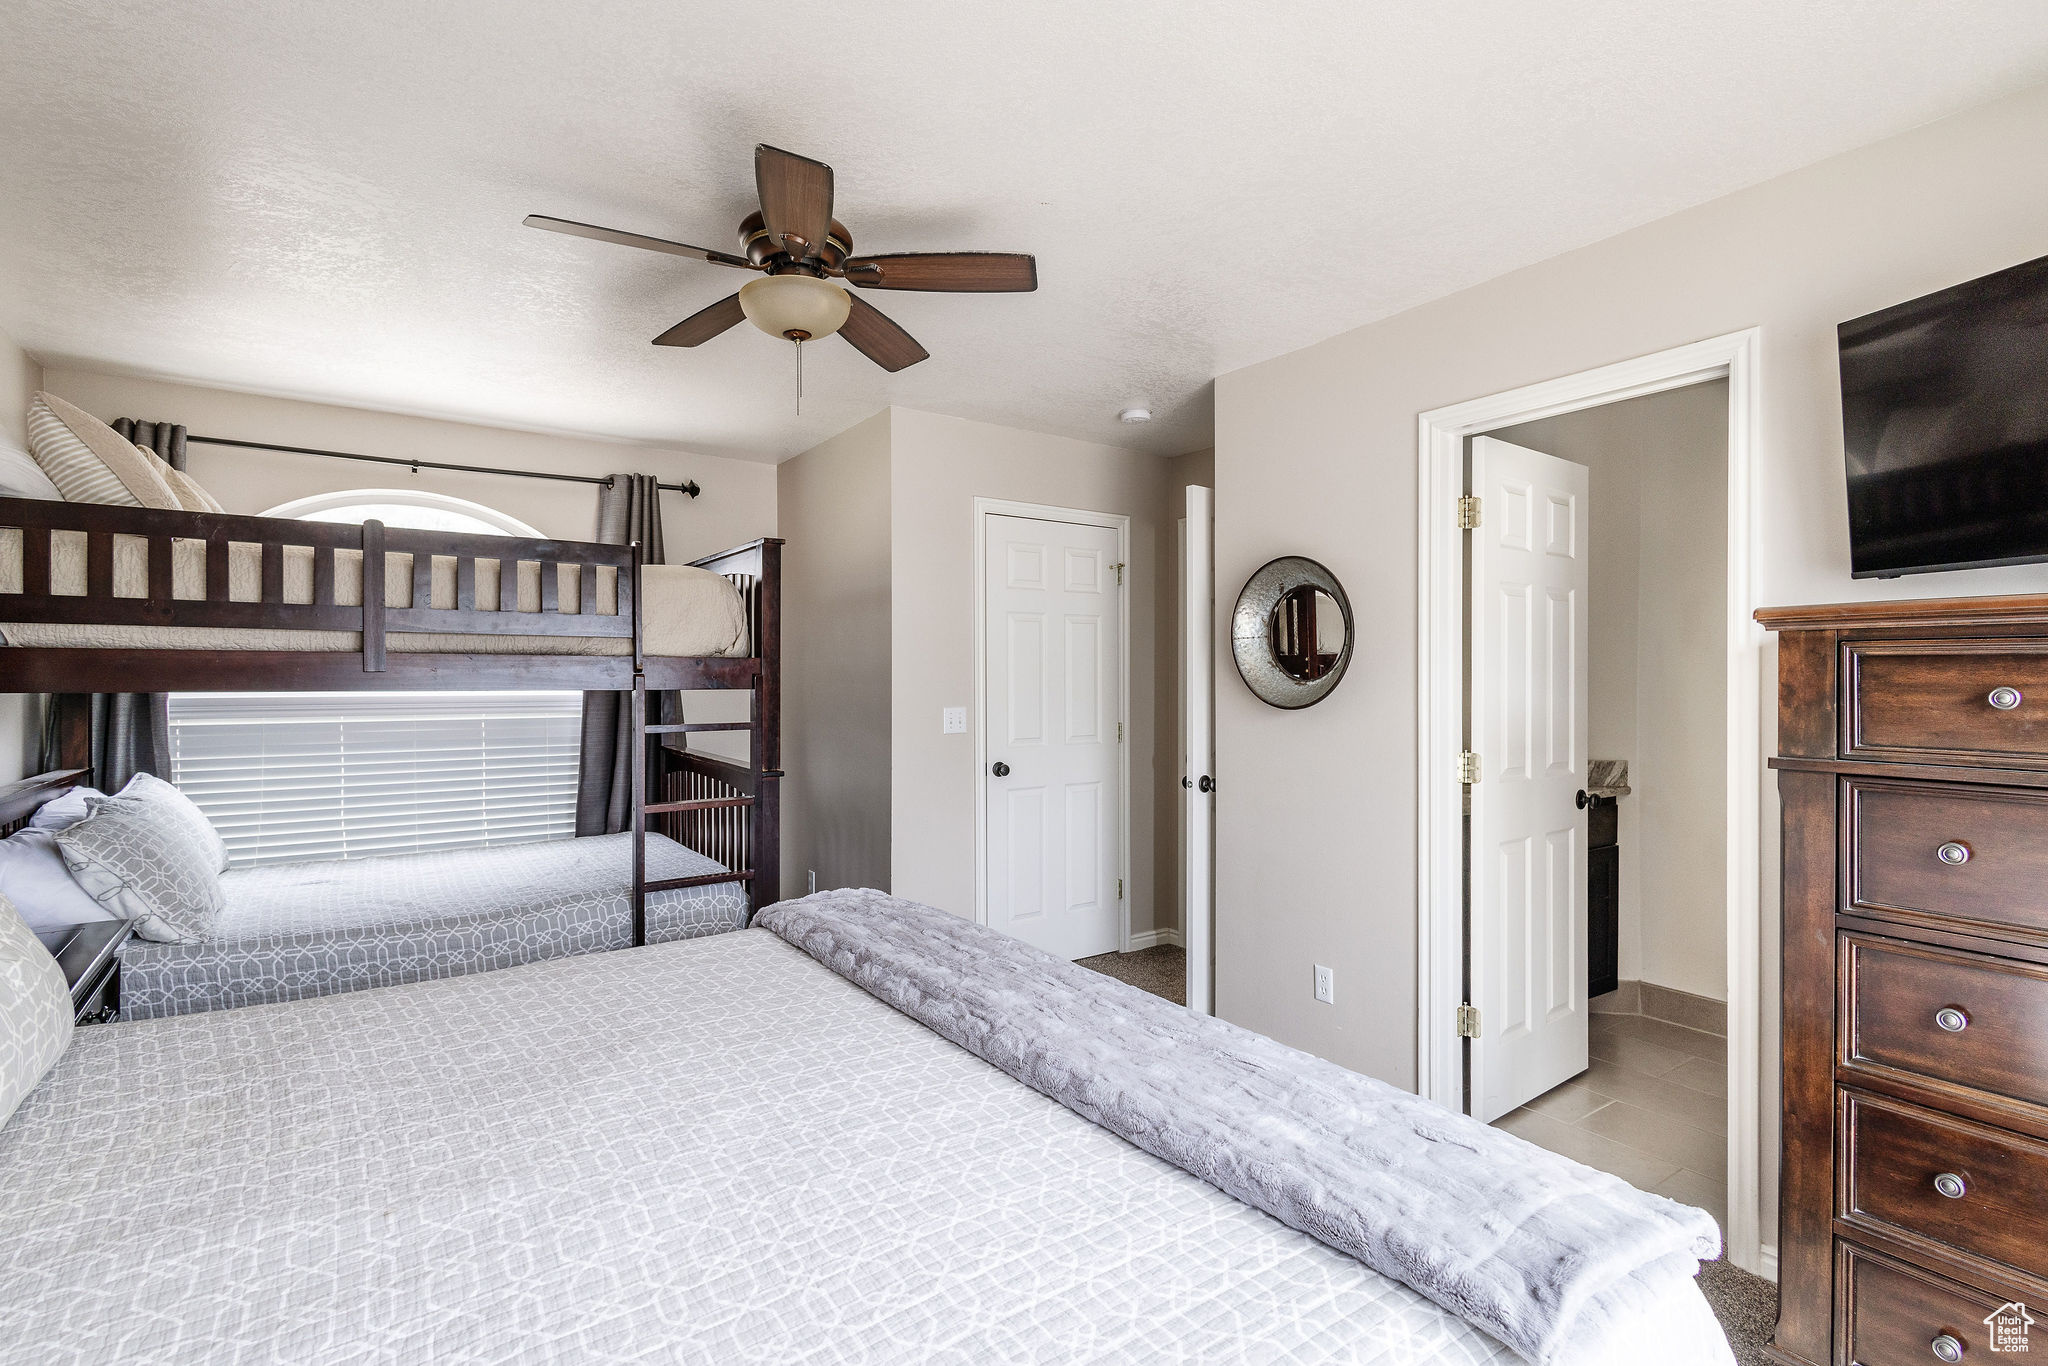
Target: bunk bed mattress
[
  {"x": 684, "y": 610},
  {"x": 756, "y": 1162},
  {"x": 293, "y": 930}
]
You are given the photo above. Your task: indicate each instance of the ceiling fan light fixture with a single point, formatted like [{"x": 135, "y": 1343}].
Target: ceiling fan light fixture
[{"x": 794, "y": 307}]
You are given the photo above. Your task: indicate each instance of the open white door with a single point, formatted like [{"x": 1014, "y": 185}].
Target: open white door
[
  {"x": 1527, "y": 941},
  {"x": 1197, "y": 745}
]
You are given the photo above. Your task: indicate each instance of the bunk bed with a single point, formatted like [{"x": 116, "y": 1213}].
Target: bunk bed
[{"x": 97, "y": 598}]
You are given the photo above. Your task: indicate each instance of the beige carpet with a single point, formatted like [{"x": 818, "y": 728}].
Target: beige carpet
[
  {"x": 1746, "y": 1305},
  {"x": 1163, "y": 971}
]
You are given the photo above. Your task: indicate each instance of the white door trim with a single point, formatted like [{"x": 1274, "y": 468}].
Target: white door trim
[
  {"x": 985, "y": 508},
  {"x": 1440, "y": 590}
]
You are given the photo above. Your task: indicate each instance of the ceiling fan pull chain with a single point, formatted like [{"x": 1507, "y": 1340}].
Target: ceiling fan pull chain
[{"x": 799, "y": 376}]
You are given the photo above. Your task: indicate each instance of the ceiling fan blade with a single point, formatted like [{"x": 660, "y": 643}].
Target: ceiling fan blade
[
  {"x": 951, "y": 272},
  {"x": 702, "y": 326},
  {"x": 796, "y": 200},
  {"x": 634, "y": 239},
  {"x": 879, "y": 339}
]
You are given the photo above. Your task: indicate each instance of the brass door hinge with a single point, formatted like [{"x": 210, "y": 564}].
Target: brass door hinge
[
  {"x": 1119, "y": 732},
  {"x": 1468, "y": 512},
  {"x": 1119, "y": 575},
  {"x": 1468, "y": 1021},
  {"x": 1468, "y": 767},
  {"x": 1119, "y": 889}
]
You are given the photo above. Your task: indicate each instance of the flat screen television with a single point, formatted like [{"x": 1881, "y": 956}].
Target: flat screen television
[{"x": 1945, "y": 426}]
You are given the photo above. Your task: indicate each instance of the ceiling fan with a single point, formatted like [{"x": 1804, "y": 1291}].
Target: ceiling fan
[{"x": 800, "y": 249}]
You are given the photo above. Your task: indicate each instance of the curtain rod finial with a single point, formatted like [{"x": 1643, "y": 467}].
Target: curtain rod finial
[{"x": 690, "y": 487}]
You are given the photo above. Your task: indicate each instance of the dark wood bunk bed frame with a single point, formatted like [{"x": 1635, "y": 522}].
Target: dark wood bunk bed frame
[{"x": 727, "y": 811}]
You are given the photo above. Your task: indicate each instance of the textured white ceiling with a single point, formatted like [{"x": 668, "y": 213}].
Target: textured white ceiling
[{"x": 323, "y": 200}]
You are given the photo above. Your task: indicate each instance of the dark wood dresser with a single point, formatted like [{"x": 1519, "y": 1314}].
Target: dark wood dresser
[{"x": 1913, "y": 775}]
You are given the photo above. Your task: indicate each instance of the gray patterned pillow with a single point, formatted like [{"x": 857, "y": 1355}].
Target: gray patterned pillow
[
  {"x": 161, "y": 874},
  {"x": 35, "y": 1010},
  {"x": 174, "y": 808}
]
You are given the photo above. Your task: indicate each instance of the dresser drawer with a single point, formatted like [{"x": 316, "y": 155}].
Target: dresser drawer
[
  {"x": 1896, "y": 1315},
  {"x": 1968, "y": 702},
  {"x": 1975, "y": 856},
  {"x": 1945, "y": 1019},
  {"x": 1930, "y": 1177}
]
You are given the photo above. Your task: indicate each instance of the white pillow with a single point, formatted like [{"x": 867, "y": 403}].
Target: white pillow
[
  {"x": 190, "y": 495},
  {"x": 68, "y": 809},
  {"x": 35, "y": 1011},
  {"x": 176, "y": 810},
  {"x": 34, "y": 877},
  {"x": 145, "y": 868},
  {"x": 22, "y": 477}
]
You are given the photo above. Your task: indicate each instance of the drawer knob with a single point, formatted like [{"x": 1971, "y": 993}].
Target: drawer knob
[
  {"x": 1951, "y": 1019},
  {"x": 2004, "y": 699},
  {"x": 1955, "y": 855},
  {"x": 1946, "y": 1348},
  {"x": 1951, "y": 1185}
]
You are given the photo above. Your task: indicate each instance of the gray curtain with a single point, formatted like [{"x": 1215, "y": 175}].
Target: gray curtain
[
  {"x": 167, "y": 439},
  {"x": 129, "y": 733},
  {"x": 629, "y": 510}
]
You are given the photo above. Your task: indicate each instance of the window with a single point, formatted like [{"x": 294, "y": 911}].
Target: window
[
  {"x": 403, "y": 507},
  {"x": 288, "y": 776}
]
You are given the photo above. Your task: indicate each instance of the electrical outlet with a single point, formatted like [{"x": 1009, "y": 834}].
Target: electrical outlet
[
  {"x": 953, "y": 721},
  {"x": 814, "y": 880},
  {"x": 1326, "y": 985}
]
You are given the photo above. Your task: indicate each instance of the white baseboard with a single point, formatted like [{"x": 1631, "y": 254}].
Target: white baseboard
[
  {"x": 1152, "y": 939},
  {"x": 1767, "y": 1261}
]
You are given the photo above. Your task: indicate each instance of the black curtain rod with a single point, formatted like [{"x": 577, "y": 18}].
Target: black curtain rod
[{"x": 689, "y": 486}]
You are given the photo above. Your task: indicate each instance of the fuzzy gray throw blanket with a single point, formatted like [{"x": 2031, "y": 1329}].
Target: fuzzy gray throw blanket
[{"x": 1539, "y": 1251}]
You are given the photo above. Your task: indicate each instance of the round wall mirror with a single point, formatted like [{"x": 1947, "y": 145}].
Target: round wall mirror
[{"x": 1291, "y": 632}]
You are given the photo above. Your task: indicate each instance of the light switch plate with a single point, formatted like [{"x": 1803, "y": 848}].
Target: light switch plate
[{"x": 953, "y": 721}]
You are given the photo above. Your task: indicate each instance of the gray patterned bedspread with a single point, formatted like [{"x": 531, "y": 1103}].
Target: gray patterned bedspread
[
  {"x": 293, "y": 930},
  {"x": 757, "y": 1163}
]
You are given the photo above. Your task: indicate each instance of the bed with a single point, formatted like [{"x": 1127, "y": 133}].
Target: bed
[
  {"x": 100, "y": 598},
  {"x": 760, "y": 1162},
  {"x": 293, "y": 930}
]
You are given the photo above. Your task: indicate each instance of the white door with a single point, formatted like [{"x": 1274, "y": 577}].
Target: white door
[
  {"x": 1054, "y": 776},
  {"x": 1197, "y": 744},
  {"x": 1528, "y": 860}
]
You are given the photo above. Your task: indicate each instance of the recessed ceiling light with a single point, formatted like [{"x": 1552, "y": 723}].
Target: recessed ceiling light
[{"x": 1135, "y": 415}]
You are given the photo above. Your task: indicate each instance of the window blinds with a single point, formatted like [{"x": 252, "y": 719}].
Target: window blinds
[{"x": 287, "y": 776}]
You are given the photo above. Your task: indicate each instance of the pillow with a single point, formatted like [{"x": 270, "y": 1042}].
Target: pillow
[
  {"x": 22, "y": 477},
  {"x": 183, "y": 486},
  {"x": 89, "y": 461},
  {"x": 68, "y": 809},
  {"x": 144, "y": 868},
  {"x": 35, "y": 1011},
  {"x": 33, "y": 876},
  {"x": 176, "y": 810}
]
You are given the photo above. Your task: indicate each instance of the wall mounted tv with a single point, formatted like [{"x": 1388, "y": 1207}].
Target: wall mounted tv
[{"x": 1945, "y": 425}]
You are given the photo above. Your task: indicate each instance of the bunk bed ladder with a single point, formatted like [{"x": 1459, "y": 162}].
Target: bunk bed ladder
[{"x": 637, "y": 780}]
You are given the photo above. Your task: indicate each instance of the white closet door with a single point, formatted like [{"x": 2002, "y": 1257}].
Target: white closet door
[{"x": 1054, "y": 779}]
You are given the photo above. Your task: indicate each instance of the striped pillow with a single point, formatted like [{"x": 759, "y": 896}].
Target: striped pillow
[{"x": 89, "y": 462}]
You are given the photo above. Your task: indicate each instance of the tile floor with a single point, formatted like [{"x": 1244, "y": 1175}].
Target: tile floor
[{"x": 1652, "y": 1109}]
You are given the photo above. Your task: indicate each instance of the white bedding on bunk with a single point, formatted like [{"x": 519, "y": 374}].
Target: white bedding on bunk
[
  {"x": 712, "y": 1151},
  {"x": 684, "y": 610}
]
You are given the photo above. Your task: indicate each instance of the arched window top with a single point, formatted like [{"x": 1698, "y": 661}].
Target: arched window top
[{"x": 412, "y": 508}]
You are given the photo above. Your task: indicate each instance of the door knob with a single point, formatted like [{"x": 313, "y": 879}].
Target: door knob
[
  {"x": 1000, "y": 769},
  {"x": 1583, "y": 800},
  {"x": 1207, "y": 784}
]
